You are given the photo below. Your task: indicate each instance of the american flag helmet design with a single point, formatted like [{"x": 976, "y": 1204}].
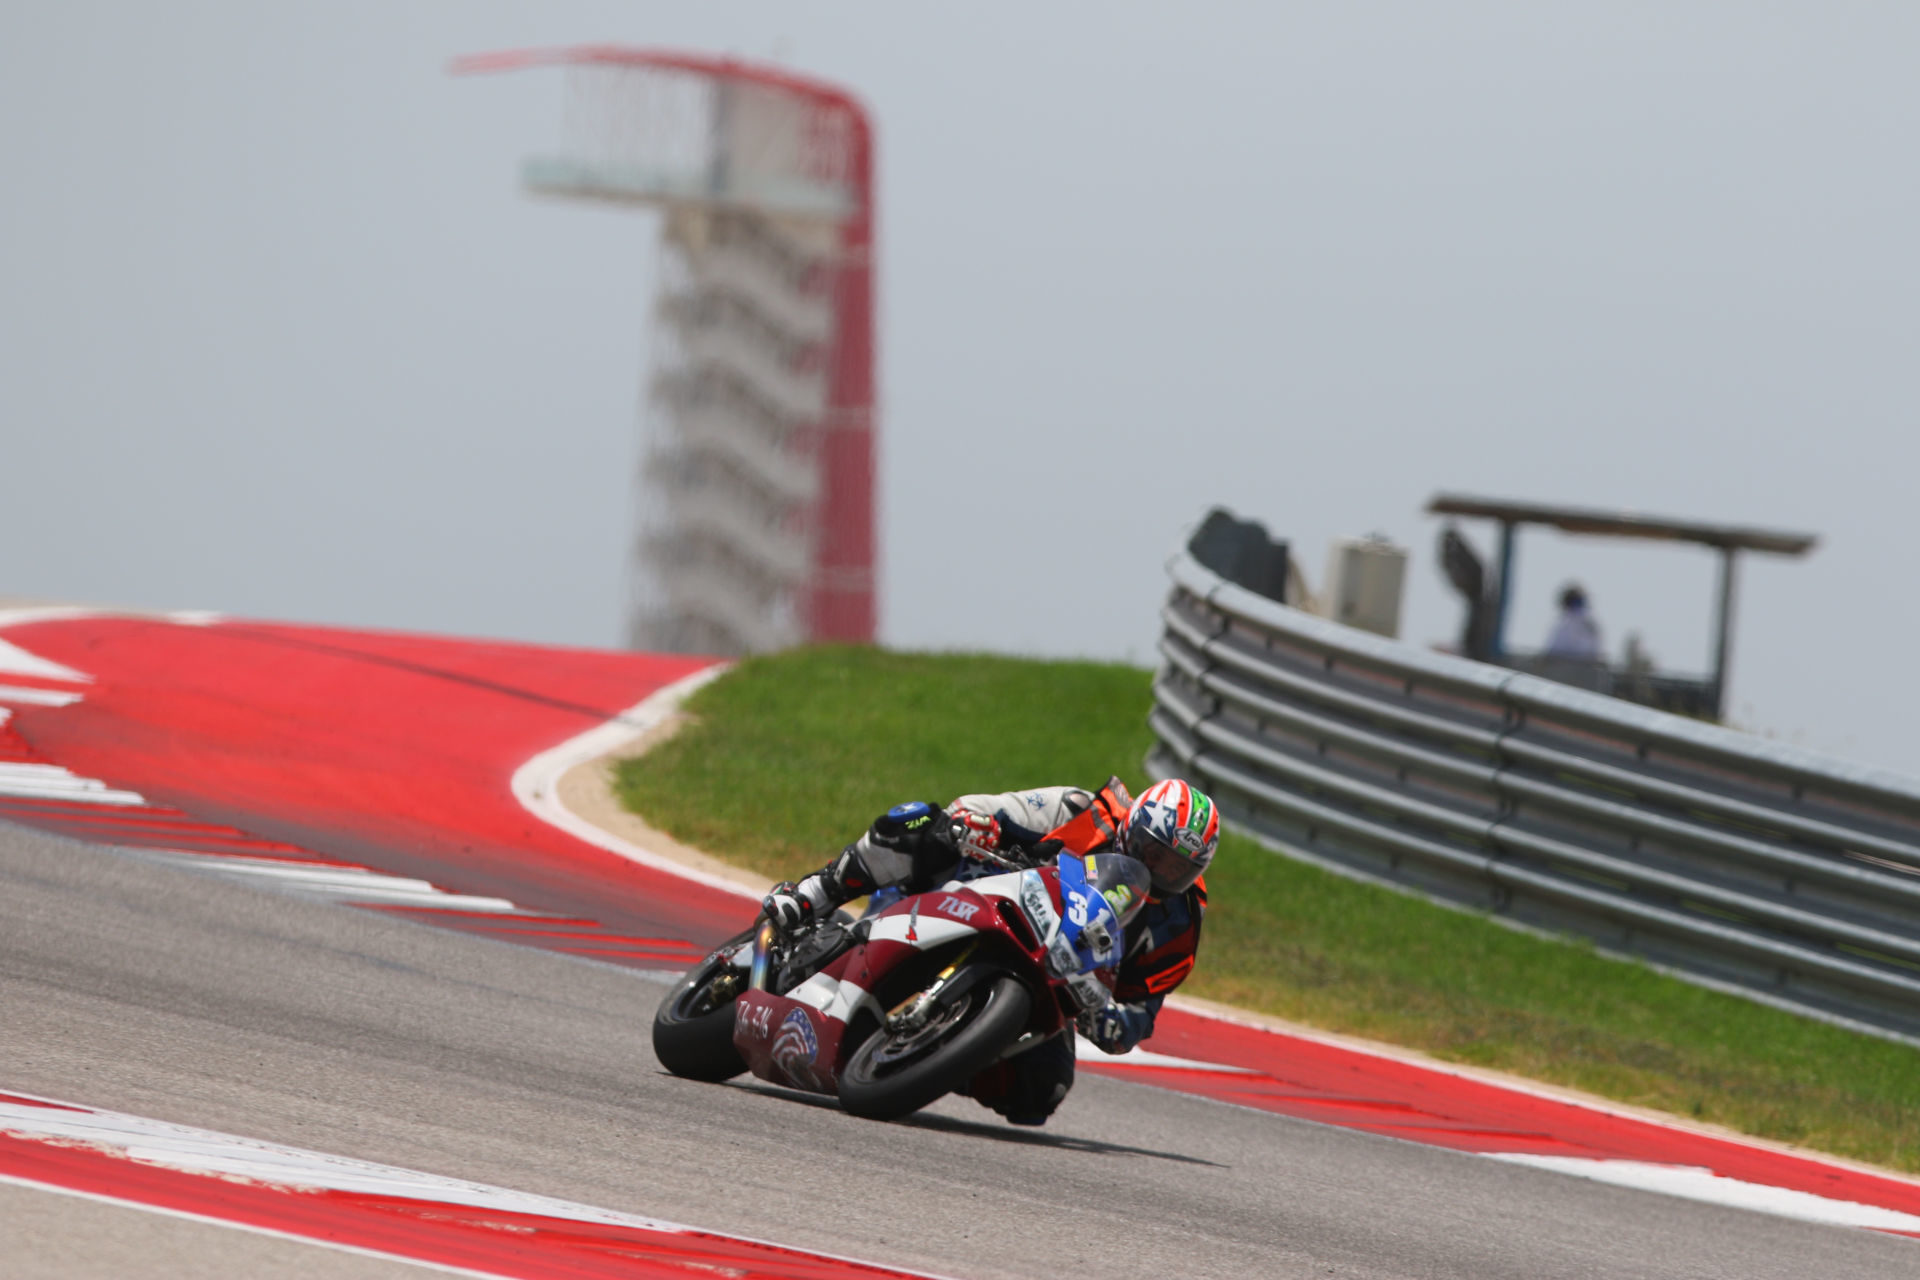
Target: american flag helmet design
[{"x": 1174, "y": 829}]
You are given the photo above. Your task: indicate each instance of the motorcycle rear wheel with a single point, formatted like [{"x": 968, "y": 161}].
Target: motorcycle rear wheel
[
  {"x": 693, "y": 1027},
  {"x": 890, "y": 1076}
]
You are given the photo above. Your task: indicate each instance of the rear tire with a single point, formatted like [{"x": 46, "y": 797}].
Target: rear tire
[
  {"x": 892, "y": 1076},
  {"x": 692, "y": 1031}
]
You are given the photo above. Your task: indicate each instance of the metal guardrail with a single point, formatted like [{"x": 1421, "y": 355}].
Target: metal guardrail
[{"x": 1732, "y": 860}]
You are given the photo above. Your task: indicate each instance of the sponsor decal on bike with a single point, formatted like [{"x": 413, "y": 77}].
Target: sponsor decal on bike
[
  {"x": 796, "y": 1041},
  {"x": 795, "y": 1049},
  {"x": 1061, "y": 956},
  {"x": 757, "y": 1019},
  {"x": 957, "y": 909},
  {"x": 1039, "y": 908}
]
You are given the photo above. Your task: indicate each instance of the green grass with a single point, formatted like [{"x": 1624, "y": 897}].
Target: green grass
[
  {"x": 790, "y": 756},
  {"x": 793, "y": 755}
]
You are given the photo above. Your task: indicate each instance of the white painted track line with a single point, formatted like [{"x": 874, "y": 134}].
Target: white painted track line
[
  {"x": 535, "y": 783},
  {"x": 1693, "y": 1183},
  {"x": 330, "y": 880},
  {"x": 37, "y": 697},
  {"x": 18, "y": 662}
]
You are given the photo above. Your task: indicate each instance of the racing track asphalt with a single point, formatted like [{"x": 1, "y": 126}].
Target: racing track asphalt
[{"x": 157, "y": 991}]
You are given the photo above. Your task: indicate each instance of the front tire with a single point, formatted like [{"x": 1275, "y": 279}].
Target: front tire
[
  {"x": 693, "y": 1027},
  {"x": 890, "y": 1076}
]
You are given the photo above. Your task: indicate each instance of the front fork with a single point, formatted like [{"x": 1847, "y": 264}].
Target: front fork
[{"x": 912, "y": 1013}]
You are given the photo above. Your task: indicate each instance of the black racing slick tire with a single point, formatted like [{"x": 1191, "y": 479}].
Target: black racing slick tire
[
  {"x": 693, "y": 1027},
  {"x": 890, "y": 1076}
]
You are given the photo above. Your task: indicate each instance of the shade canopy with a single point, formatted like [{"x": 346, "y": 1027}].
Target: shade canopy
[
  {"x": 1624, "y": 524},
  {"x": 1485, "y": 634}
]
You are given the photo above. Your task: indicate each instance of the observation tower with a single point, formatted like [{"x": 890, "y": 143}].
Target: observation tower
[{"x": 755, "y": 488}]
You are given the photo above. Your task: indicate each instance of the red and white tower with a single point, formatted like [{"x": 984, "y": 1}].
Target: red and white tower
[{"x": 756, "y": 510}]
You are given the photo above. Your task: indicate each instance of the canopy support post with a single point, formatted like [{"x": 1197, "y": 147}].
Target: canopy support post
[
  {"x": 1505, "y": 592},
  {"x": 1723, "y": 632}
]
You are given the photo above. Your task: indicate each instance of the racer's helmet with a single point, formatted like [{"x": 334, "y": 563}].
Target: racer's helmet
[{"x": 1174, "y": 829}]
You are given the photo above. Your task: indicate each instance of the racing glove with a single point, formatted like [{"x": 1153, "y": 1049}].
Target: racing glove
[
  {"x": 788, "y": 907},
  {"x": 978, "y": 836},
  {"x": 1109, "y": 1029}
]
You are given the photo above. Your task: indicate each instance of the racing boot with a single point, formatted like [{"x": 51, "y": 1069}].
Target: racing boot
[{"x": 907, "y": 844}]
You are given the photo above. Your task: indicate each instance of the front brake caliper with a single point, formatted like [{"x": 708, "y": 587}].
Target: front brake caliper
[{"x": 912, "y": 1013}]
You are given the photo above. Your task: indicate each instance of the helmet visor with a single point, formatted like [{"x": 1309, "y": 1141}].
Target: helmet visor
[{"x": 1173, "y": 871}]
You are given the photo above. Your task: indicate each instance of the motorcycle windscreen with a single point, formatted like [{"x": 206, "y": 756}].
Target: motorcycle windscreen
[
  {"x": 1091, "y": 931},
  {"x": 1123, "y": 881}
]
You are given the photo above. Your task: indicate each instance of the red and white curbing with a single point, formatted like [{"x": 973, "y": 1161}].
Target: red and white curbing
[
  {"x": 51, "y": 782},
  {"x": 466, "y": 1228},
  {"x": 15, "y": 661},
  {"x": 60, "y": 788},
  {"x": 30, "y": 787},
  {"x": 536, "y": 784}
]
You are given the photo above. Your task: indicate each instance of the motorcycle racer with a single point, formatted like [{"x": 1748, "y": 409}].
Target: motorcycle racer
[{"x": 1173, "y": 828}]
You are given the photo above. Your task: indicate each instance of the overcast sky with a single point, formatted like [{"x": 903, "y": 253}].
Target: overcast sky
[{"x": 281, "y": 336}]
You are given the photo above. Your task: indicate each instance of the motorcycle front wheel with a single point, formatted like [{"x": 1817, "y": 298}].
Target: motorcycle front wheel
[
  {"x": 892, "y": 1075},
  {"x": 693, "y": 1027}
]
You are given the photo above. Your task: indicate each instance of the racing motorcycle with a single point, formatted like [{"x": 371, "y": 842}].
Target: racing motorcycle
[{"x": 894, "y": 1010}]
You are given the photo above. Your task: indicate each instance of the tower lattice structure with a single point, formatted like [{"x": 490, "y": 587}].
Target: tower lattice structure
[{"x": 755, "y": 488}]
